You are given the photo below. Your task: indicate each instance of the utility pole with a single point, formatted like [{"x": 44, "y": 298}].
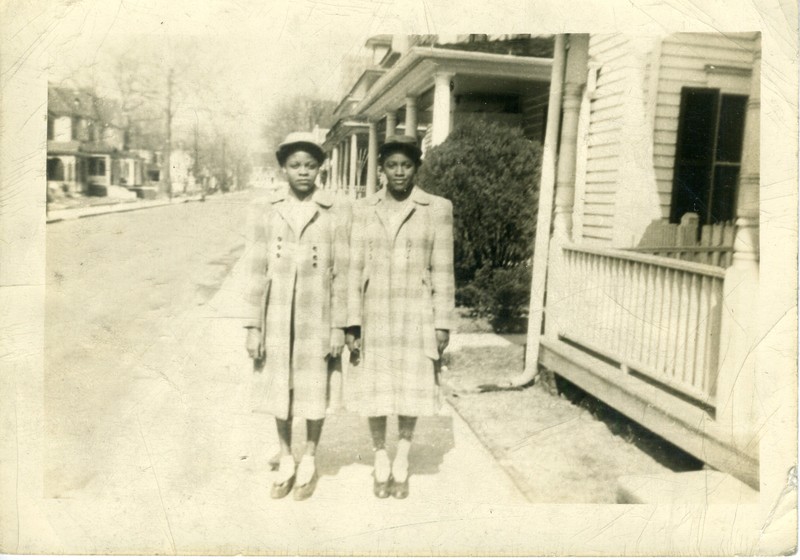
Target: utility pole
[{"x": 168, "y": 150}]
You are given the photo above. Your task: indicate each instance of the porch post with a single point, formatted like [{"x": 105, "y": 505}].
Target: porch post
[
  {"x": 342, "y": 163},
  {"x": 411, "y": 116},
  {"x": 575, "y": 74},
  {"x": 353, "y": 180},
  {"x": 736, "y": 398},
  {"x": 334, "y": 180},
  {"x": 574, "y": 82},
  {"x": 391, "y": 123},
  {"x": 544, "y": 215},
  {"x": 442, "y": 107},
  {"x": 372, "y": 159}
]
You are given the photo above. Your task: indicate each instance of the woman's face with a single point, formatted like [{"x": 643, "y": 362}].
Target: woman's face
[
  {"x": 301, "y": 170},
  {"x": 399, "y": 170}
]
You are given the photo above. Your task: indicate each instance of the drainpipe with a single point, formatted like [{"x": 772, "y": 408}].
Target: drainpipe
[{"x": 544, "y": 216}]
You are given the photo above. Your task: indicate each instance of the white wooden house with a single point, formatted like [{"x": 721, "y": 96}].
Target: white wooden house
[
  {"x": 425, "y": 84},
  {"x": 657, "y": 320}
]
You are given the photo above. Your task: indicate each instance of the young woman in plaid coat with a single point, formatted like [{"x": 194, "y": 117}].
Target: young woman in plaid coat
[
  {"x": 297, "y": 305},
  {"x": 400, "y": 307}
]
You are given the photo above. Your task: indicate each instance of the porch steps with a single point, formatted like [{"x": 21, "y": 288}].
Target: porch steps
[{"x": 706, "y": 487}]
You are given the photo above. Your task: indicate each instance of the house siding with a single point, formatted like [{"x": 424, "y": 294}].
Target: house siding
[
  {"x": 681, "y": 60},
  {"x": 684, "y": 57},
  {"x": 605, "y": 126}
]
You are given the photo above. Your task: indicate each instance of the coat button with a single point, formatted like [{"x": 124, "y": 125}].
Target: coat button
[
  {"x": 314, "y": 265},
  {"x": 280, "y": 239}
]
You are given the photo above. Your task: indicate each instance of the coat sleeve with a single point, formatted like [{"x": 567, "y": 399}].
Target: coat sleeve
[
  {"x": 255, "y": 268},
  {"x": 442, "y": 272},
  {"x": 355, "y": 268},
  {"x": 341, "y": 258}
]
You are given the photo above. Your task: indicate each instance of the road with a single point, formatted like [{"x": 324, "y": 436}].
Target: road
[{"x": 150, "y": 445}]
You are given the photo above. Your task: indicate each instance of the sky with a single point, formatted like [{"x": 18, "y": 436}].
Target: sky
[{"x": 255, "y": 53}]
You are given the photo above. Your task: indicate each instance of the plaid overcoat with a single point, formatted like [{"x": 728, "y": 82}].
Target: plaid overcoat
[
  {"x": 297, "y": 293},
  {"x": 400, "y": 289}
]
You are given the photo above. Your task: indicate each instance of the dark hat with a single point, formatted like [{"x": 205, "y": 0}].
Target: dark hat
[
  {"x": 402, "y": 143},
  {"x": 299, "y": 141}
]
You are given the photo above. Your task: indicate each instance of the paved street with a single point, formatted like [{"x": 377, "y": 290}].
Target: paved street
[{"x": 150, "y": 446}]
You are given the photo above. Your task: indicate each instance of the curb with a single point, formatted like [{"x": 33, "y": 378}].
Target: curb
[{"x": 100, "y": 210}]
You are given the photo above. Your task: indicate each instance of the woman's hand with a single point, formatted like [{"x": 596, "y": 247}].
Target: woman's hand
[
  {"x": 337, "y": 342},
  {"x": 253, "y": 343},
  {"x": 353, "y": 341},
  {"x": 442, "y": 340}
]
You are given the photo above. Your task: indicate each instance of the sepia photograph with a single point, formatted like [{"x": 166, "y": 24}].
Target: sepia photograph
[{"x": 311, "y": 278}]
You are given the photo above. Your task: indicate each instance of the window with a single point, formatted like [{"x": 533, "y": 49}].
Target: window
[
  {"x": 97, "y": 166},
  {"x": 50, "y": 126},
  {"x": 708, "y": 154},
  {"x": 55, "y": 169}
]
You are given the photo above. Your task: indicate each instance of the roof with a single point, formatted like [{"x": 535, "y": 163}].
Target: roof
[
  {"x": 540, "y": 47},
  {"x": 413, "y": 73},
  {"x": 379, "y": 41},
  {"x": 69, "y": 102}
]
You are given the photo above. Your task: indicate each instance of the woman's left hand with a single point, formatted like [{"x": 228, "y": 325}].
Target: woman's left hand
[
  {"x": 442, "y": 340},
  {"x": 337, "y": 342}
]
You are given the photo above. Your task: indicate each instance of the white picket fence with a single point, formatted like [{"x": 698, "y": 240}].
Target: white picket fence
[{"x": 711, "y": 244}]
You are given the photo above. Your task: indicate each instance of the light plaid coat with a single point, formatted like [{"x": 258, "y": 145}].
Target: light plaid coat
[
  {"x": 400, "y": 289},
  {"x": 296, "y": 295}
]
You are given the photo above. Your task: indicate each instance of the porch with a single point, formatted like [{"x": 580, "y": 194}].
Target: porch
[{"x": 643, "y": 333}]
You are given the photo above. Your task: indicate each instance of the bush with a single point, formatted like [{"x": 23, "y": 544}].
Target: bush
[{"x": 490, "y": 172}]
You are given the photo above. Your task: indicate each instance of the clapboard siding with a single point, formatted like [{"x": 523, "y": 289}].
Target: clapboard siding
[
  {"x": 682, "y": 61},
  {"x": 607, "y": 53},
  {"x": 684, "y": 57}
]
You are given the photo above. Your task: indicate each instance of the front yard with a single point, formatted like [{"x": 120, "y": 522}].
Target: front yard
[{"x": 559, "y": 444}]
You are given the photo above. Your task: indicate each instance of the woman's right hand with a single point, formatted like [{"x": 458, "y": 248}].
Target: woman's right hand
[
  {"x": 253, "y": 344},
  {"x": 353, "y": 341}
]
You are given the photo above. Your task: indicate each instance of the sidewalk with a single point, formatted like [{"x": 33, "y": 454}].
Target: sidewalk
[
  {"x": 112, "y": 206},
  {"x": 182, "y": 468}
]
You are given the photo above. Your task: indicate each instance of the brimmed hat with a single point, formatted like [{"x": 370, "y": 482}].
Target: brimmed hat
[
  {"x": 402, "y": 143},
  {"x": 299, "y": 141}
]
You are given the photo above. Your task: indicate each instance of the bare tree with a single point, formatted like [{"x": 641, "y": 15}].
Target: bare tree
[{"x": 298, "y": 113}]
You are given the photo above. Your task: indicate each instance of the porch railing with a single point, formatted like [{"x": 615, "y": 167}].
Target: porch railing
[
  {"x": 708, "y": 244},
  {"x": 653, "y": 317}
]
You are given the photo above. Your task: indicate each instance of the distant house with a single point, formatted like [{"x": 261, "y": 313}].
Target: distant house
[
  {"x": 86, "y": 145},
  {"x": 423, "y": 85},
  {"x": 653, "y": 259}
]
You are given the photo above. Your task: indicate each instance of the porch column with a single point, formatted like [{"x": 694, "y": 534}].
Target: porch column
[
  {"x": 353, "y": 179},
  {"x": 372, "y": 158},
  {"x": 391, "y": 123},
  {"x": 559, "y": 315},
  {"x": 574, "y": 82},
  {"x": 334, "y": 179},
  {"x": 736, "y": 398},
  {"x": 342, "y": 162},
  {"x": 541, "y": 250},
  {"x": 442, "y": 107},
  {"x": 411, "y": 116}
]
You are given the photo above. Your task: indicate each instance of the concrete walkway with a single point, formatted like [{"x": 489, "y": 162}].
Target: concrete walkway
[
  {"x": 113, "y": 207},
  {"x": 182, "y": 468}
]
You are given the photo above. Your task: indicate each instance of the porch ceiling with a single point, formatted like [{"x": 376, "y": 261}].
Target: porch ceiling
[{"x": 414, "y": 74}]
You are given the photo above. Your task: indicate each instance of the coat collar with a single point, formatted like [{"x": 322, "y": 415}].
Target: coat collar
[
  {"x": 322, "y": 198},
  {"x": 417, "y": 196}
]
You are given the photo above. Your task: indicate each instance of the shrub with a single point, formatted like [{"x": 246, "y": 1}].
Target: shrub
[
  {"x": 490, "y": 172},
  {"x": 504, "y": 297}
]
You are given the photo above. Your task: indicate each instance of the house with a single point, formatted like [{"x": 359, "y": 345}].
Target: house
[
  {"x": 643, "y": 292},
  {"x": 86, "y": 145},
  {"x": 425, "y": 84}
]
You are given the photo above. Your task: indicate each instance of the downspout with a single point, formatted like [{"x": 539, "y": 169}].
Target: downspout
[{"x": 544, "y": 216}]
